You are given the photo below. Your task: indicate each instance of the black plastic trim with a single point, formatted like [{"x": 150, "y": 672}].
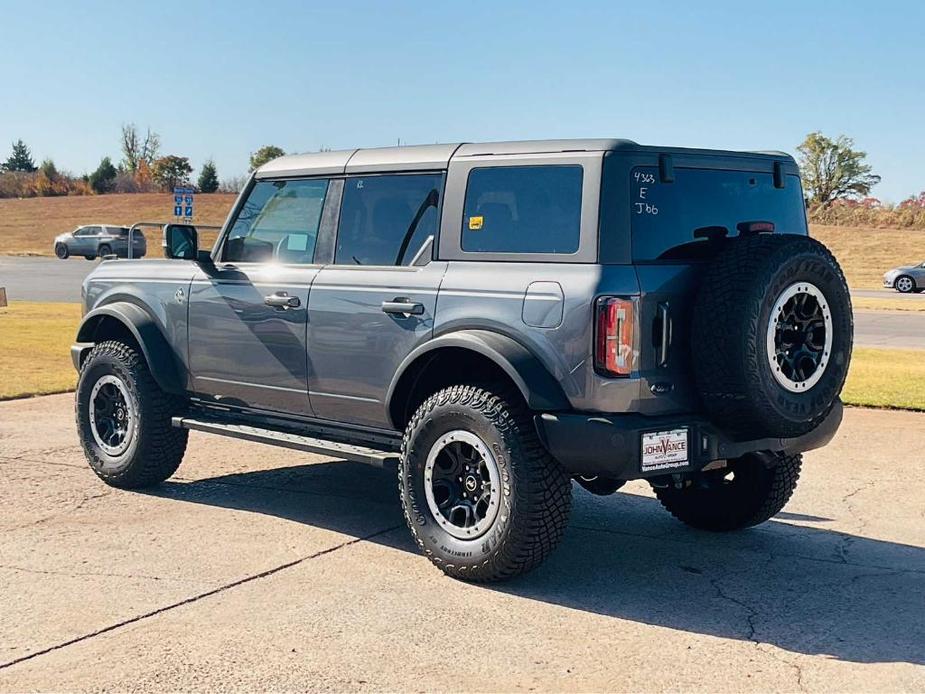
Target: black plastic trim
[{"x": 609, "y": 445}]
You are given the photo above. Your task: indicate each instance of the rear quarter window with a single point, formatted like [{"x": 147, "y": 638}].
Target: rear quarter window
[
  {"x": 664, "y": 216},
  {"x": 523, "y": 209}
]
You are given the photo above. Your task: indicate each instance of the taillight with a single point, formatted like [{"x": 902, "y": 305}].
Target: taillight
[{"x": 613, "y": 342}]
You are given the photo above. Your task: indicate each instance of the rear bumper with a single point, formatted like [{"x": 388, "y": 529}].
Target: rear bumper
[{"x": 610, "y": 446}]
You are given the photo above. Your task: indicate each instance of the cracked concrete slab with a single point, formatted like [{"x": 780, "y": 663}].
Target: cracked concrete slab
[{"x": 258, "y": 568}]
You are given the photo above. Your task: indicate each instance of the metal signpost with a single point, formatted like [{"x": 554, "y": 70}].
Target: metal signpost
[
  {"x": 183, "y": 203},
  {"x": 182, "y": 210}
]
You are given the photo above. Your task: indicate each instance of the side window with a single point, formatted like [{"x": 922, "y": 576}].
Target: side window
[
  {"x": 278, "y": 221},
  {"x": 93, "y": 231},
  {"x": 523, "y": 209},
  {"x": 384, "y": 220},
  {"x": 81, "y": 231}
]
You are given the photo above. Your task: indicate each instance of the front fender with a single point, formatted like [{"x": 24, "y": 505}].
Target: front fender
[
  {"x": 147, "y": 333},
  {"x": 540, "y": 389}
]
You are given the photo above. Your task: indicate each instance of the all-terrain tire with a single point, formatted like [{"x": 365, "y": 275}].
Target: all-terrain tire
[
  {"x": 733, "y": 312},
  {"x": 757, "y": 492},
  {"x": 535, "y": 492},
  {"x": 62, "y": 251},
  {"x": 155, "y": 448}
]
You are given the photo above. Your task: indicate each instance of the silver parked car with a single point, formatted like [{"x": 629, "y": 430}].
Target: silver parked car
[
  {"x": 906, "y": 279},
  {"x": 98, "y": 240}
]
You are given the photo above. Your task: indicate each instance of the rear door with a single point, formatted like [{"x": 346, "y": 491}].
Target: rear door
[
  {"x": 672, "y": 220},
  {"x": 376, "y": 302},
  {"x": 87, "y": 239},
  {"x": 248, "y": 314}
]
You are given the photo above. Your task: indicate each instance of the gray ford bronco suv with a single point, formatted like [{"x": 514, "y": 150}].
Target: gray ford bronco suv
[{"x": 494, "y": 321}]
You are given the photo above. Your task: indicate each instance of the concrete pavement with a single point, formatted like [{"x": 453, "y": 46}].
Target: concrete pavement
[{"x": 259, "y": 568}]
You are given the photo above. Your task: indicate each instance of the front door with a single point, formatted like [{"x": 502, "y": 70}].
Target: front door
[
  {"x": 376, "y": 302},
  {"x": 248, "y": 314}
]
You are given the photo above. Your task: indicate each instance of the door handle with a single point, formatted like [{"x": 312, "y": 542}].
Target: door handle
[
  {"x": 403, "y": 306},
  {"x": 282, "y": 300}
]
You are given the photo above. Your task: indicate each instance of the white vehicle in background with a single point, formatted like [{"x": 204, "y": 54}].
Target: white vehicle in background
[
  {"x": 906, "y": 279},
  {"x": 99, "y": 240}
]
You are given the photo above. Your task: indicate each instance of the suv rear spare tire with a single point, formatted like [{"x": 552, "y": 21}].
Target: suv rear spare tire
[{"x": 772, "y": 332}]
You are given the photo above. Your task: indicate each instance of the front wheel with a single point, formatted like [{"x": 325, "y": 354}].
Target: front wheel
[
  {"x": 904, "y": 284},
  {"x": 483, "y": 499},
  {"x": 123, "y": 419},
  {"x": 749, "y": 491},
  {"x": 61, "y": 251}
]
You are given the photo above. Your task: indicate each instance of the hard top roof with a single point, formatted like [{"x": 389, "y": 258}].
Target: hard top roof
[{"x": 435, "y": 157}]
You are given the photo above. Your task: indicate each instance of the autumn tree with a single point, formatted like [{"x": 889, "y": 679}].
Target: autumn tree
[
  {"x": 171, "y": 171},
  {"x": 265, "y": 154},
  {"x": 833, "y": 170},
  {"x": 136, "y": 149}
]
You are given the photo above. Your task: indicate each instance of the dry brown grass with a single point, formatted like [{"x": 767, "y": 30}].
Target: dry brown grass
[
  {"x": 35, "y": 344},
  {"x": 28, "y": 226},
  {"x": 865, "y": 253}
]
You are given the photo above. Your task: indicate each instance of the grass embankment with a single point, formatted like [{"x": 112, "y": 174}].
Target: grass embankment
[
  {"x": 29, "y": 226},
  {"x": 35, "y": 342},
  {"x": 893, "y": 378},
  {"x": 865, "y": 253},
  {"x": 864, "y": 303}
]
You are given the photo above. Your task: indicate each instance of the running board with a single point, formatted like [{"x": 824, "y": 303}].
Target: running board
[{"x": 307, "y": 444}]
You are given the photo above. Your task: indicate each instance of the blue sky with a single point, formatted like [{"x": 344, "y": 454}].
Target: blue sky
[{"x": 221, "y": 79}]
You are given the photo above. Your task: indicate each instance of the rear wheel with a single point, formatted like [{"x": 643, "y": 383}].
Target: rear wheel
[
  {"x": 61, "y": 251},
  {"x": 904, "y": 284},
  {"x": 123, "y": 419},
  {"x": 483, "y": 499},
  {"x": 104, "y": 250},
  {"x": 749, "y": 491}
]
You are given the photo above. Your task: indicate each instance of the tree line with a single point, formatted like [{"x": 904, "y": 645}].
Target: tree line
[
  {"x": 837, "y": 179},
  {"x": 142, "y": 169}
]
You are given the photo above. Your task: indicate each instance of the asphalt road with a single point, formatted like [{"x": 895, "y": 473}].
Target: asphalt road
[
  {"x": 263, "y": 569},
  {"x": 50, "y": 279}
]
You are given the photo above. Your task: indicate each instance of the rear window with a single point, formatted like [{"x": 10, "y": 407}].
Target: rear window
[
  {"x": 665, "y": 215},
  {"x": 522, "y": 209}
]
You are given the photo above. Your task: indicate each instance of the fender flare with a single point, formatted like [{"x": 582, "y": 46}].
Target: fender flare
[
  {"x": 540, "y": 389},
  {"x": 155, "y": 347}
]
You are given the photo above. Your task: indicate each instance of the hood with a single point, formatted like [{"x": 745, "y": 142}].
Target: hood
[
  {"x": 904, "y": 268},
  {"x": 63, "y": 237}
]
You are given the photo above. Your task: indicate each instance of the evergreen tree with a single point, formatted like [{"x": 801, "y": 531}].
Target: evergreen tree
[
  {"x": 208, "y": 178},
  {"x": 20, "y": 159},
  {"x": 102, "y": 179}
]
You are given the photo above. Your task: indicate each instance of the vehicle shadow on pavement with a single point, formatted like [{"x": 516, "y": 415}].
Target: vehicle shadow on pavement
[{"x": 802, "y": 588}]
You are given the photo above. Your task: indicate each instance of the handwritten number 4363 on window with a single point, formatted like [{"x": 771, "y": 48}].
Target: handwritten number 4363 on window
[{"x": 643, "y": 177}]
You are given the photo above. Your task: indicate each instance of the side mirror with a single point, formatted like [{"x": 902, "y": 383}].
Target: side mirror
[{"x": 181, "y": 242}]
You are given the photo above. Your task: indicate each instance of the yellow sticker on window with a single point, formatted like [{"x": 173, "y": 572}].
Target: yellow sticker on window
[{"x": 475, "y": 223}]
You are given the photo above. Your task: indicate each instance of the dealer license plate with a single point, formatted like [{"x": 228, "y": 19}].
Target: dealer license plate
[{"x": 664, "y": 449}]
